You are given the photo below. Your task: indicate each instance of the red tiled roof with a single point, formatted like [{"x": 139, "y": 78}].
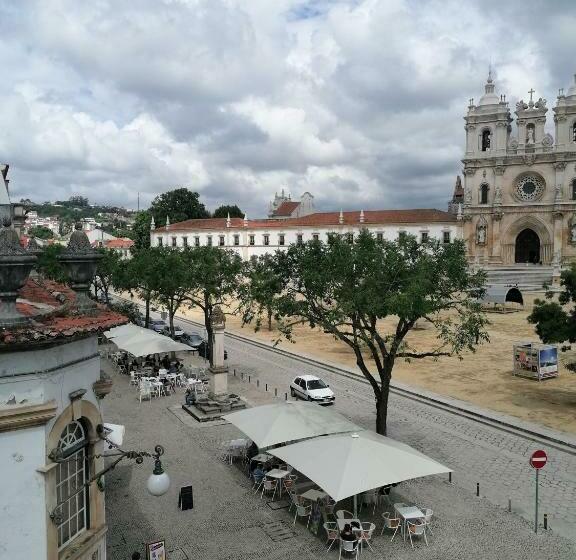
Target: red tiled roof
[
  {"x": 286, "y": 209},
  {"x": 51, "y": 308},
  {"x": 371, "y": 217},
  {"x": 119, "y": 243}
]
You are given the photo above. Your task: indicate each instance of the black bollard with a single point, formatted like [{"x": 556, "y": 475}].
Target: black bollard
[
  {"x": 477, "y": 489},
  {"x": 545, "y": 522}
]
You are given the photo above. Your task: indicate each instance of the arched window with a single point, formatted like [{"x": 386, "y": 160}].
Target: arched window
[
  {"x": 486, "y": 138},
  {"x": 573, "y": 189},
  {"x": 484, "y": 188},
  {"x": 574, "y": 132},
  {"x": 72, "y": 473}
]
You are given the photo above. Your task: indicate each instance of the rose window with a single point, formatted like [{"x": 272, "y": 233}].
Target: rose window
[{"x": 530, "y": 187}]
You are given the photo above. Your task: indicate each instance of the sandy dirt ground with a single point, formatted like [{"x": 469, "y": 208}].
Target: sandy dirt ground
[{"x": 483, "y": 378}]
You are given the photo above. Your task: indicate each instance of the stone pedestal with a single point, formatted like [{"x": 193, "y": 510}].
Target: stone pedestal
[{"x": 218, "y": 370}]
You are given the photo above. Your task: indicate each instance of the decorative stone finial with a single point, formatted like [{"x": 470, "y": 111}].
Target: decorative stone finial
[
  {"x": 167, "y": 222},
  {"x": 218, "y": 318},
  {"x": 80, "y": 260},
  {"x": 341, "y": 217},
  {"x": 228, "y": 220},
  {"x": 15, "y": 266},
  {"x": 459, "y": 213},
  {"x": 361, "y": 216},
  {"x": 152, "y": 224},
  {"x": 245, "y": 220}
]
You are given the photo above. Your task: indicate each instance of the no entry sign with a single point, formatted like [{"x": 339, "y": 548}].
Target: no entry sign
[{"x": 538, "y": 459}]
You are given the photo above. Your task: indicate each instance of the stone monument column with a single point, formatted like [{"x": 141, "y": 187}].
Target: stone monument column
[{"x": 218, "y": 371}]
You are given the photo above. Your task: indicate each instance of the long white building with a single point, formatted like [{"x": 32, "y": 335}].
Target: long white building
[{"x": 256, "y": 237}]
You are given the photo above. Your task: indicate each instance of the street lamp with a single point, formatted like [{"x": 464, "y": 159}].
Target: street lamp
[{"x": 158, "y": 482}]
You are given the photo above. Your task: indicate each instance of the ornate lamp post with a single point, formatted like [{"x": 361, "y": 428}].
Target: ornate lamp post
[
  {"x": 15, "y": 266},
  {"x": 158, "y": 482},
  {"x": 81, "y": 262}
]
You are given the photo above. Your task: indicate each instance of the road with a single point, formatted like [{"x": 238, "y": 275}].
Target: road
[{"x": 479, "y": 454}]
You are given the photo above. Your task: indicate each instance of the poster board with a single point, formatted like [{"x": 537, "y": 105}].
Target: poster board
[
  {"x": 535, "y": 361},
  {"x": 156, "y": 550}
]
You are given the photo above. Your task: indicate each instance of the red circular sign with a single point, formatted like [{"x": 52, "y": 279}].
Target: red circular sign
[{"x": 538, "y": 459}]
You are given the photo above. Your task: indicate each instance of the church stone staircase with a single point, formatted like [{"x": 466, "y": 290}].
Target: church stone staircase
[{"x": 528, "y": 277}]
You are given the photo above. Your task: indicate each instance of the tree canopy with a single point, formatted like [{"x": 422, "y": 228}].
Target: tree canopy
[
  {"x": 555, "y": 320},
  {"x": 106, "y": 272},
  {"x": 141, "y": 230},
  {"x": 49, "y": 265},
  {"x": 228, "y": 210},
  {"x": 348, "y": 289},
  {"x": 41, "y": 232},
  {"x": 179, "y": 205}
]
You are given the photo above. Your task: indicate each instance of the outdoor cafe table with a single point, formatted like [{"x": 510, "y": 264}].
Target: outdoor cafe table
[
  {"x": 314, "y": 495},
  {"x": 278, "y": 474},
  {"x": 407, "y": 513},
  {"x": 261, "y": 458}
]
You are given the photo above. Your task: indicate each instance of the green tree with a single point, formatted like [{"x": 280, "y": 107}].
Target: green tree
[
  {"x": 172, "y": 279},
  {"x": 141, "y": 230},
  {"x": 257, "y": 293},
  {"x": 227, "y": 210},
  {"x": 215, "y": 275},
  {"x": 348, "y": 289},
  {"x": 41, "y": 232},
  {"x": 49, "y": 265},
  {"x": 127, "y": 308},
  {"x": 179, "y": 205},
  {"x": 555, "y": 321},
  {"x": 106, "y": 273},
  {"x": 138, "y": 276}
]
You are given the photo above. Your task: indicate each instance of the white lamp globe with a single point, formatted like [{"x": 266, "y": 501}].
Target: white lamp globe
[
  {"x": 159, "y": 481},
  {"x": 158, "y": 484}
]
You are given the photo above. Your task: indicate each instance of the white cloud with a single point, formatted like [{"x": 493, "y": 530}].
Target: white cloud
[{"x": 358, "y": 101}]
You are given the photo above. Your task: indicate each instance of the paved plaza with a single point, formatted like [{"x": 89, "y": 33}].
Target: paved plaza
[{"x": 229, "y": 522}]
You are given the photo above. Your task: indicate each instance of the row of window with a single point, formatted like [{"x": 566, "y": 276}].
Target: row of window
[
  {"x": 484, "y": 188},
  {"x": 485, "y": 139},
  {"x": 424, "y": 237}
]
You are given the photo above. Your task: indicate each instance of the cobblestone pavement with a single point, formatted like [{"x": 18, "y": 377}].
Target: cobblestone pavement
[
  {"x": 477, "y": 453},
  {"x": 229, "y": 522}
]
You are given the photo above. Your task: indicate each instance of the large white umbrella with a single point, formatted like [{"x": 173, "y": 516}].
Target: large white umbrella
[
  {"x": 138, "y": 336},
  {"x": 345, "y": 465},
  {"x": 156, "y": 345},
  {"x": 272, "y": 424},
  {"x": 122, "y": 330}
]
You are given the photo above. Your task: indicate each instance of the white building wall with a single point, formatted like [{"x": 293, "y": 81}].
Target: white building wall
[
  {"x": 37, "y": 376},
  {"x": 22, "y": 498},
  {"x": 246, "y": 249}
]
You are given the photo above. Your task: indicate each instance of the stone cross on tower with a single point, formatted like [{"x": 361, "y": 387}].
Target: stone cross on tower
[{"x": 531, "y": 92}]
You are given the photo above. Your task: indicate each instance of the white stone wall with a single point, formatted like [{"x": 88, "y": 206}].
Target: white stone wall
[
  {"x": 37, "y": 376},
  {"x": 247, "y": 249}
]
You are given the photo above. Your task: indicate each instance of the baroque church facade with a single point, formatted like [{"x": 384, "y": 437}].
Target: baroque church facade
[{"x": 518, "y": 196}]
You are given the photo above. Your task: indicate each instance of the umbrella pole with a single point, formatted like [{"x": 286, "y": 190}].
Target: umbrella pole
[{"x": 355, "y": 506}]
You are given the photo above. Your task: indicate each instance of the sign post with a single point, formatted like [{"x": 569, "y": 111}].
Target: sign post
[{"x": 537, "y": 461}]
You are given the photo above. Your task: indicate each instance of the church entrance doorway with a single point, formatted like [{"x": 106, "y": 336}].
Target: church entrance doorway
[{"x": 527, "y": 247}]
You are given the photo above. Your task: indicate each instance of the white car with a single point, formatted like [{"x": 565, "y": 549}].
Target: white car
[{"x": 312, "y": 388}]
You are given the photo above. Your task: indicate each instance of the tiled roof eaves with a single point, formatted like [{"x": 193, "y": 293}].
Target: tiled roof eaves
[{"x": 327, "y": 219}]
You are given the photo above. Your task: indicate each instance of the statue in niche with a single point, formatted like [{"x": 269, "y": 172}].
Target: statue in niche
[
  {"x": 530, "y": 135},
  {"x": 558, "y": 193},
  {"x": 481, "y": 234},
  {"x": 498, "y": 195},
  {"x": 573, "y": 231}
]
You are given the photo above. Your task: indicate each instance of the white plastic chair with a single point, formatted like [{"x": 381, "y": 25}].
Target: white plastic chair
[
  {"x": 416, "y": 530},
  {"x": 145, "y": 391},
  {"x": 428, "y": 518},
  {"x": 391, "y": 523},
  {"x": 269, "y": 485},
  {"x": 332, "y": 533},
  {"x": 348, "y": 547},
  {"x": 365, "y": 534},
  {"x": 344, "y": 514},
  {"x": 303, "y": 511}
]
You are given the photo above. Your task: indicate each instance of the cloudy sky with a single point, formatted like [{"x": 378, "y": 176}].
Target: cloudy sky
[{"x": 359, "y": 102}]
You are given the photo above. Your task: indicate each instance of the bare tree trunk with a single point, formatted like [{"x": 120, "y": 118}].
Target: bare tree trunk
[
  {"x": 269, "y": 311},
  {"x": 171, "y": 318},
  {"x": 382, "y": 408},
  {"x": 147, "y": 312}
]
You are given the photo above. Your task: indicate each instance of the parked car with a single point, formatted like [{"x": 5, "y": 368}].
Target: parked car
[
  {"x": 311, "y": 388},
  {"x": 192, "y": 339},
  {"x": 178, "y": 332},
  {"x": 156, "y": 325}
]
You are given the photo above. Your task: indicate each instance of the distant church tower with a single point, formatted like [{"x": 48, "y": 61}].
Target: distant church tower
[{"x": 520, "y": 185}]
